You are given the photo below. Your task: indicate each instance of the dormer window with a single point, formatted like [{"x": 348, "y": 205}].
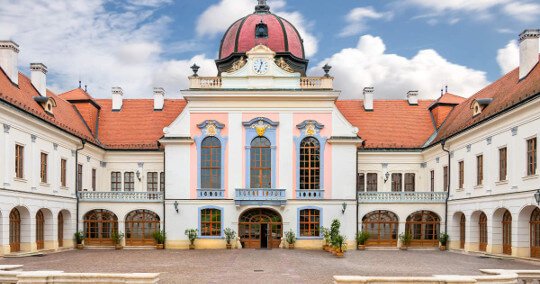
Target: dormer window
[
  {"x": 478, "y": 105},
  {"x": 261, "y": 30},
  {"x": 47, "y": 103}
]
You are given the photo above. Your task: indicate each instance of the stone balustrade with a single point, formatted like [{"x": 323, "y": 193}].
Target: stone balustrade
[
  {"x": 206, "y": 193},
  {"x": 315, "y": 83},
  {"x": 401, "y": 197},
  {"x": 120, "y": 196},
  {"x": 198, "y": 82},
  {"x": 260, "y": 196},
  {"x": 309, "y": 194}
]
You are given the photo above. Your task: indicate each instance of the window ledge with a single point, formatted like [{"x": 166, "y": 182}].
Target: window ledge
[
  {"x": 529, "y": 177},
  {"x": 44, "y": 184},
  {"x": 501, "y": 182},
  {"x": 20, "y": 179},
  {"x": 64, "y": 187},
  {"x": 211, "y": 237},
  {"x": 459, "y": 189},
  {"x": 480, "y": 186}
]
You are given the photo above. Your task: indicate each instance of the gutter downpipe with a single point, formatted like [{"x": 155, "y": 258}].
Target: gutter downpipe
[
  {"x": 356, "y": 190},
  {"x": 164, "y": 190},
  {"x": 83, "y": 141},
  {"x": 443, "y": 143}
]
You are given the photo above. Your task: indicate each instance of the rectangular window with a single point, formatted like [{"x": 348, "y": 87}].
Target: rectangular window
[
  {"x": 502, "y": 164},
  {"x": 19, "y": 161},
  {"x": 371, "y": 182},
  {"x": 360, "y": 182},
  {"x": 531, "y": 156},
  {"x": 210, "y": 222},
  {"x": 152, "y": 181},
  {"x": 63, "y": 172},
  {"x": 79, "y": 177},
  {"x": 461, "y": 167},
  {"x": 43, "y": 168},
  {"x": 94, "y": 179},
  {"x": 432, "y": 180},
  {"x": 309, "y": 223},
  {"x": 396, "y": 182},
  {"x": 162, "y": 181},
  {"x": 129, "y": 181},
  {"x": 116, "y": 181},
  {"x": 445, "y": 178},
  {"x": 479, "y": 169},
  {"x": 410, "y": 182}
]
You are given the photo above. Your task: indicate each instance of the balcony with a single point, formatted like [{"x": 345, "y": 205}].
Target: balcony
[
  {"x": 260, "y": 196},
  {"x": 306, "y": 83},
  {"x": 309, "y": 194},
  {"x": 120, "y": 196},
  {"x": 205, "y": 193},
  {"x": 401, "y": 197}
]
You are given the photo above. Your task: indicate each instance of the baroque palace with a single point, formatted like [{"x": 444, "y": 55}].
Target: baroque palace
[{"x": 262, "y": 148}]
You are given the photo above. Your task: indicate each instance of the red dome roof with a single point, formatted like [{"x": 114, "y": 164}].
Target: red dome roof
[{"x": 282, "y": 36}]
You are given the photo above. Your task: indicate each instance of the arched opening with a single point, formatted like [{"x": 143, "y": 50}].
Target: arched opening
[
  {"x": 40, "y": 230},
  {"x": 99, "y": 225},
  {"x": 310, "y": 163},
  {"x": 462, "y": 231},
  {"x": 211, "y": 163},
  {"x": 60, "y": 232},
  {"x": 507, "y": 232},
  {"x": 260, "y": 163},
  {"x": 140, "y": 227},
  {"x": 482, "y": 232},
  {"x": 260, "y": 228},
  {"x": 382, "y": 226},
  {"x": 535, "y": 233},
  {"x": 424, "y": 227},
  {"x": 15, "y": 230}
]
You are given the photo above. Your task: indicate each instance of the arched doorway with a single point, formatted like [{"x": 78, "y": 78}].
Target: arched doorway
[
  {"x": 424, "y": 227},
  {"x": 482, "y": 232},
  {"x": 462, "y": 231},
  {"x": 382, "y": 226},
  {"x": 14, "y": 230},
  {"x": 507, "y": 232},
  {"x": 140, "y": 227},
  {"x": 40, "y": 230},
  {"x": 60, "y": 232},
  {"x": 535, "y": 232},
  {"x": 260, "y": 228},
  {"x": 99, "y": 225}
]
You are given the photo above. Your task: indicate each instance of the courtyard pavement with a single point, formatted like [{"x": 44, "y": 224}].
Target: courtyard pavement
[{"x": 265, "y": 266}]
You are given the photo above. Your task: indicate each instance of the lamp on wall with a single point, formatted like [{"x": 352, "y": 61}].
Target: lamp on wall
[
  {"x": 176, "y": 206},
  {"x": 537, "y": 196},
  {"x": 138, "y": 173},
  {"x": 343, "y": 207},
  {"x": 386, "y": 176}
]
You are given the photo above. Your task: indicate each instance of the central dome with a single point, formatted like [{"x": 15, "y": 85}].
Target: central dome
[{"x": 262, "y": 27}]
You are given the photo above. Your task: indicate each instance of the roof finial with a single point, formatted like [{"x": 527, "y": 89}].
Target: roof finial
[
  {"x": 446, "y": 89},
  {"x": 86, "y": 88},
  {"x": 262, "y": 7},
  {"x": 79, "y": 84}
]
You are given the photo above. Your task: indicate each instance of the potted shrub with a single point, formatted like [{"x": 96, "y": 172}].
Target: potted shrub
[
  {"x": 192, "y": 235},
  {"x": 405, "y": 239},
  {"x": 290, "y": 238},
  {"x": 443, "y": 239},
  {"x": 341, "y": 246},
  {"x": 334, "y": 232},
  {"x": 117, "y": 239},
  {"x": 159, "y": 237},
  {"x": 230, "y": 234},
  {"x": 326, "y": 235},
  {"x": 361, "y": 239},
  {"x": 79, "y": 238}
]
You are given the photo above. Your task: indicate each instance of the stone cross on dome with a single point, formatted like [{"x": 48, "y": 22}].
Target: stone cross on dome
[{"x": 262, "y": 7}]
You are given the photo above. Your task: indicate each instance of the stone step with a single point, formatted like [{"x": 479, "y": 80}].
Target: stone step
[{"x": 24, "y": 254}]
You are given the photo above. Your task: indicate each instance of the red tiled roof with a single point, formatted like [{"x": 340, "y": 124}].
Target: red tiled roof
[
  {"x": 505, "y": 92},
  {"x": 392, "y": 123},
  {"x": 77, "y": 94},
  {"x": 449, "y": 98},
  {"x": 136, "y": 125}
]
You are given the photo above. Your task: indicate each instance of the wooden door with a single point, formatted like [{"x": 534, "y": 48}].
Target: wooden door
[
  {"x": 60, "y": 229},
  {"x": 382, "y": 226},
  {"x": 462, "y": 232},
  {"x": 40, "y": 227},
  {"x": 482, "y": 230},
  {"x": 15, "y": 230},
  {"x": 507, "y": 232},
  {"x": 535, "y": 233},
  {"x": 250, "y": 228}
]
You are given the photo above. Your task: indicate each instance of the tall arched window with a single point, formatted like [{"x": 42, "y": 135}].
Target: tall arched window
[
  {"x": 507, "y": 232},
  {"x": 15, "y": 230},
  {"x": 382, "y": 227},
  {"x": 140, "y": 227},
  {"x": 211, "y": 163},
  {"x": 482, "y": 232},
  {"x": 310, "y": 161},
  {"x": 260, "y": 163},
  {"x": 99, "y": 226},
  {"x": 424, "y": 227}
]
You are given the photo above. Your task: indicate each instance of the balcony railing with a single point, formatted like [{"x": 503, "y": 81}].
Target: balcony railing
[
  {"x": 401, "y": 197},
  {"x": 260, "y": 196},
  {"x": 204, "y": 82},
  {"x": 205, "y": 193},
  {"x": 316, "y": 82},
  {"x": 309, "y": 194},
  {"x": 305, "y": 83},
  {"x": 120, "y": 196}
]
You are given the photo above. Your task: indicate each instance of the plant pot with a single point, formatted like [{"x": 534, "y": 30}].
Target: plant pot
[
  {"x": 118, "y": 247},
  {"x": 229, "y": 246},
  {"x": 291, "y": 246},
  {"x": 403, "y": 247},
  {"x": 442, "y": 248},
  {"x": 361, "y": 247},
  {"x": 79, "y": 246},
  {"x": 160, "y": 246},
  {"x": 324, "y": 247},
  {"x": 340, "y": 254},
  {"x": 333, "y": 251},
  {"x": 192, "y": 246}
]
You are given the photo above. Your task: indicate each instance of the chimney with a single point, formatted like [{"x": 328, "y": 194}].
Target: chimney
[
  {"x": 159, "y": 98},
  {"x": 412, "y": 97},
  {"x": 8, "y": 59},
  {"x": 38, "y": 77},
  {"x": 117, "y": 96},
  {"x": 528, "y": 51},
  {"x": 368, "y": 98}
]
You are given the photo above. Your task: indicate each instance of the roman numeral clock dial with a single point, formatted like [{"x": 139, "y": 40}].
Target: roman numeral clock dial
[{"x": 260, "y": 66}]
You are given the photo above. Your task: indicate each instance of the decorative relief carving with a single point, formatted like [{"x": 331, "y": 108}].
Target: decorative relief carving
[
  {"x": 260, "y": 127},
  {"x": 284, "y": 65},
  {"x": 210, "y": 127},
  {"x": 310, "y": 127},
  {"x": 6, "y": 128},
  {"x": 260, "y": 124},
  {"x": 238, "y": 64},
  {"x": 33, "y": 137}
]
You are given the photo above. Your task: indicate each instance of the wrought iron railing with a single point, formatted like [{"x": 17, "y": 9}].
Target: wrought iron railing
[
  {"x": 206, "y": 193},
  {"x": 121, "y": 196},
  {"x": 402, "y": 197}
]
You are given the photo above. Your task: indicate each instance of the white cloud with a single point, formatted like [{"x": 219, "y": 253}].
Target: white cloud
[
  {"x": 393, "y": 75},
  {"x": 456, "y": 5},
  {"x": 217, "y": 18},
  {"x": 523, "y": 11},
  {"x": 357, "y": 17},
  {"x": 508, "y": 57},
  {"x": 92, "y": 43}
]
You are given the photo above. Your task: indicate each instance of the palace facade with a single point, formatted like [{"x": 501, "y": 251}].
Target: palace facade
[{"x": 262, "y": 148}]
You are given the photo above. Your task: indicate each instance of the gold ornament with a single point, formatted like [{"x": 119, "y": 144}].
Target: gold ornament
[
  {"x": 260, "y": 127},
  {"x": 310, "y": 129},
  {"x": 211, "y": 129},
  {"x": 283, "y": 65},
  {"x": 237, "y": 64}
]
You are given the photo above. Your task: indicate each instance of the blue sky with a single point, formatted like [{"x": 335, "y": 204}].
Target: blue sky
[{"x": 395, "y": 46}]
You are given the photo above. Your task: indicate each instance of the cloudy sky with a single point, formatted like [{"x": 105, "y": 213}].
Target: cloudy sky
[{"x": 394, "y": 46}]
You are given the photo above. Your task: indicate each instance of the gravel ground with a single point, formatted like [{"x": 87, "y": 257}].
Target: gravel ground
[{"x": 266, "y": 266}]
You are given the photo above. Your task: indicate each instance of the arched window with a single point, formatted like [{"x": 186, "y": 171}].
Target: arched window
[
  {"x": 211, "y": 163},
  {"x": 382, "y": 226},
  {"x": 210, "y": 222},
  {"x": 140, "y": 227},
  {"x": 260, "y": 163},
  {"x": 462, "y": 231},
  {"x": 535, "y": 233},
  {"x": 310, "y": 223},
  {"x": 482, "y": 232},
  {"x": 507, "y": 232},
  {"x": 310, "y": 161},
  {"x": 99, "y": 225},
  {"x": 60, "y": 232},
  {"x": 424, "y": 227},
  {"x": 261, "y": 30},
  {"x": 40, "y": 228},
  {"x": 15, "y": 230}
]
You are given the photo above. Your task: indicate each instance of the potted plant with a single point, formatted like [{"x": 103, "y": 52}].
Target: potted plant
[
  {"x": 341, "y": 246},
  {"x": 192, "y": 235},
  {"x": 334, "y": 233},
  {"x": 326, "y": 235},
  {"x": 117, "y": 239},
  {"x": 159, "y": 237},
  {"x": 230, "y": 234},
  {"x": 79, "y": 238},
  {"x": 290, "y": 238},
  {"x": 443, "y": 239},
  {"x": 361, "y": 239},
  {"x": 405, "y": 239}
]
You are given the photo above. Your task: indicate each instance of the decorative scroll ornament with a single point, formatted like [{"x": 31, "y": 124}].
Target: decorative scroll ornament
[
  {"x": 283, "y": 65},
  {"x": 260, "y": 127},
  {"x": 310, "y": 127},
  {"x": 211, "y": 129},
  {"x": 238, "y": 64}
]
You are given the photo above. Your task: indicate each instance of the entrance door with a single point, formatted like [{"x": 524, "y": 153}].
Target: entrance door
[
  {"x": 60, "y": 229},
  {"x": 260, "y": 227},
  {"x": 482, "y": 230},
  {"x": 507, "y": 232},
  {"x": 382, "y": 226},
  {"x": 14, "y": 230},
  {"x": 40, "y": 227}
]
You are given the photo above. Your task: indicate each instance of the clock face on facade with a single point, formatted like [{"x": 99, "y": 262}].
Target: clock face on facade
[{"x": 260, "y": 66}]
